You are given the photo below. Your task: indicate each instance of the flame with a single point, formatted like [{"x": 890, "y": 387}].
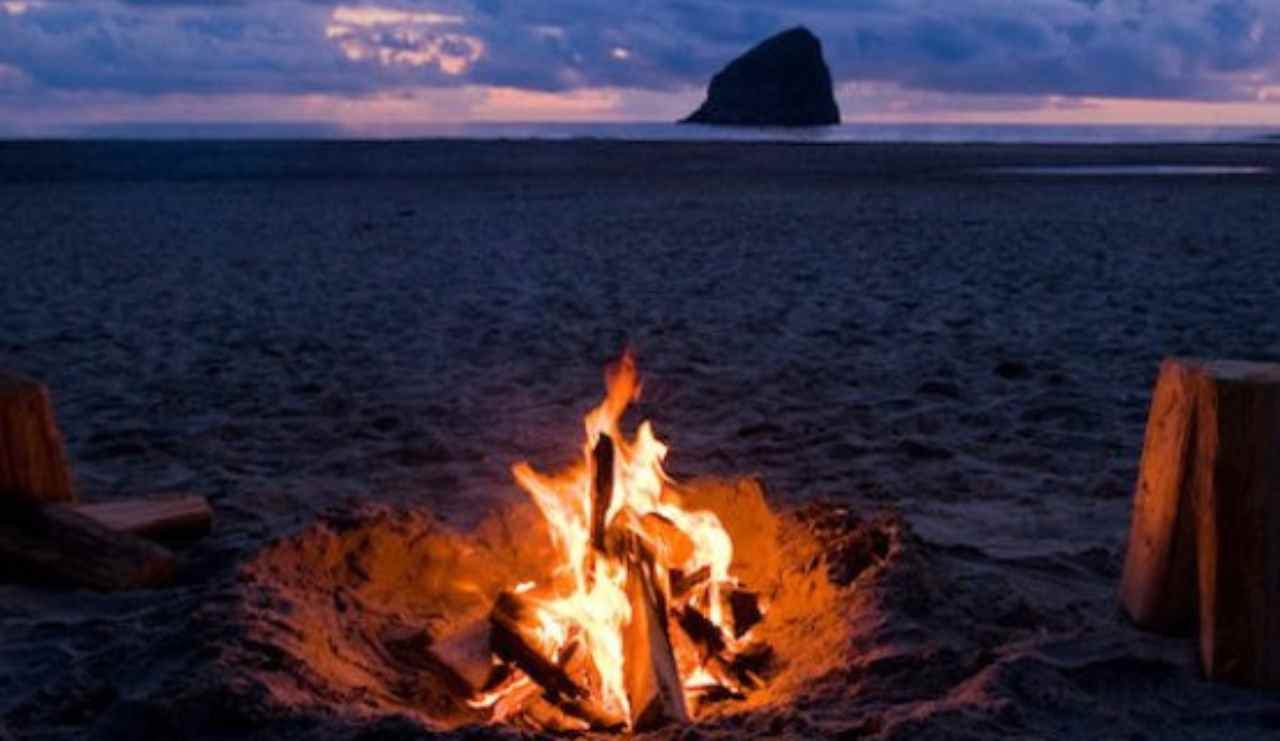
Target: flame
[{"x": 585, "y": 598}]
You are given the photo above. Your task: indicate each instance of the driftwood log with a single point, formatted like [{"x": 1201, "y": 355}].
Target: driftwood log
[
  {"x": 1205, "y": 537},
  {"x": 160, "y": 518},
  {"x": 54, "y": 544},
  {"x": 33, "y": 461}
]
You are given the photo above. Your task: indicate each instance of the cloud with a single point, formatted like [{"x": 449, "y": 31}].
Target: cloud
[
  {"x": 391, "y": 37},
  {"x": 18, "y": 7},
  {"x": 1001, "y": 52}
]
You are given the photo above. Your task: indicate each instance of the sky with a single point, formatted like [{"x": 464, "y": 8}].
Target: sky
[{"x": 367, "y": 66}]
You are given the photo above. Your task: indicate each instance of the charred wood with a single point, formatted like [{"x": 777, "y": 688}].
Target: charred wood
[
  {"x": 602, "y": 489},
  {"x": 745, "y": 607}
]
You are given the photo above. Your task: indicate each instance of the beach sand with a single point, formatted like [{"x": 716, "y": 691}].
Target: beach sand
[{"x": 298, "y": 329}]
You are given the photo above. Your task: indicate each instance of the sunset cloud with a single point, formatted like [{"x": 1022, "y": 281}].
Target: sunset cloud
[
  {"x": 972, "y": 57},
  {"x": 389, "y": 36}
]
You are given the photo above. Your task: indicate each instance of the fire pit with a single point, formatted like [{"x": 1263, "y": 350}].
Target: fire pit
[{"x": 620, "y": 600}]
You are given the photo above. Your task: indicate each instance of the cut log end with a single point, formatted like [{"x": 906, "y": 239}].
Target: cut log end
[{"x": 1205, "y": 536}]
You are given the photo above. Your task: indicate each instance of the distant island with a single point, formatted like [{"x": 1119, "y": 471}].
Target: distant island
[{"x": 782, "y": 81}]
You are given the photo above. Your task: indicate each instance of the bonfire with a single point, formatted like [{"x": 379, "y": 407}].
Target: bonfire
[{"x": 638, "y": 622}]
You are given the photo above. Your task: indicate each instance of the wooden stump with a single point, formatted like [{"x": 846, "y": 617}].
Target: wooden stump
[
  {"x": 1208, "y": 504},
  {"x": 33, "y": 462},
  {"x": 1237, "y": 502}
]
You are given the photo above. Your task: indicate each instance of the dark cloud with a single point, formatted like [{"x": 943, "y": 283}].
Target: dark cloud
[{"x": 1191, "y": 49}]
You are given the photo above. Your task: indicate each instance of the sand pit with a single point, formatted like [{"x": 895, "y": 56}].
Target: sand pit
[{"x": 353, "y": 603}]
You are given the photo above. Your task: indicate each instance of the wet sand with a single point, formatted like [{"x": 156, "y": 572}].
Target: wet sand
[{"x": 291, "y": 328}]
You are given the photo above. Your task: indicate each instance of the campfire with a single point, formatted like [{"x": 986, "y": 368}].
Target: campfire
[
  {"x": 638, "y": 622},
  {"x": 609, "y": 597}
]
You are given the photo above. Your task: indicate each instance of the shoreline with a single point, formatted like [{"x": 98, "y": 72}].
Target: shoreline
[{"x": 591, "y": 159}]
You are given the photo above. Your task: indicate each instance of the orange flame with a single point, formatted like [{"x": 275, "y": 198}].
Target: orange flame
[{"x": 587, "y": 594}]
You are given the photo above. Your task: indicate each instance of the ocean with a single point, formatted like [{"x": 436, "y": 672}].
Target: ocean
[{"x": 658, "y": 131}]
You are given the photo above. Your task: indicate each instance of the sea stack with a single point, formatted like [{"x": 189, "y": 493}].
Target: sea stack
[{"x": 782, "y": 81}]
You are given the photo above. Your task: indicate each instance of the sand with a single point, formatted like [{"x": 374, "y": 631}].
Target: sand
[{"x": 294, "y": 330}]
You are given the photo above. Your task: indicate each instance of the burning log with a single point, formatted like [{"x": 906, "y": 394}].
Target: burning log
[
  {"x": 746, "y": 610},
  {"x": 514, "y": 639},
  {"x": 577, "y": 662},
  {"x": 1204, "y": 531},
  {"x": 33, "y": 462},
  {"x": 57, "y": 544},
  {"x": 540, "y": 714},
  {"x": 673, "y": 546},
  {"x": 704, "y": 634},
  {"x": 602, "y": 489},
  {"x": 164, "y": 518},
  {"x": 682, "y": 583},
  {"x": 654, "y": 690}
]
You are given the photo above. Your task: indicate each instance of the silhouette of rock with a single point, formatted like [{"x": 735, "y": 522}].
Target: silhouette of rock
[{"x": 783, "y": 81}]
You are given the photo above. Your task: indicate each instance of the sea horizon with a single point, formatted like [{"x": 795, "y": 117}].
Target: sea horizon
[{"x": 905, "y": 132}]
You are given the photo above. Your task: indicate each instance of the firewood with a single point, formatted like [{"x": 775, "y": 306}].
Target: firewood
[
  {"x": 745, "y": 606},
  {"x": 513, "y": 639},
  {"x": 753, "y": 664},
  {"x": 577, "y": 663},
  {"x": 33, "y": 461},
  {"x": 1158, "y": 587},
  {"x": 541, "y": 715},
  {"x": 1212, "y": 467},
  {"x": 602, "y": 489},
  {"x": 651, "y": 678},
  {"x": 514, "y": 695},
  {"x": 682, "y": 584},
  {"x": 462, "y": 658},
  {"x": 57, "y": 545},
  {"x": 162, "y": 518},
  {"x": 705, "y": 634},
  {"x": 710, "y": 644},
  {"x": 672, "y": 545}
]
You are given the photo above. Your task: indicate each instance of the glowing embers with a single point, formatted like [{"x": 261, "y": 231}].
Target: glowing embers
[{"x": 638, "y": 621}]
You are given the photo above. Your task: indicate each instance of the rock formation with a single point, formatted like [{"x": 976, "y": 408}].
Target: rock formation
[{"x": 783, "y": 81}]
